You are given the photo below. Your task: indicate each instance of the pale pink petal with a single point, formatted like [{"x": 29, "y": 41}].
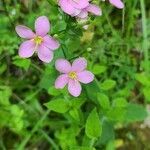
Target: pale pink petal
[
  {"x": 74, "y": 88},
  {"x": 45, "y": 54},
  {"x": 85, "y": 77},
  {"x": 63, "y": 66},
  {"x": 94, "y": 9},
  {"x": 24, "y": 32},
  {"x": 79, "y": 64},
  {"x": 42, "y": 26},
  {"x": 83, "y": 14},
  {"x": 27, "y": 49},
  {"x": 117, "y": 3},
  {"x": 66, "y": 7},
  {"x": 76, "y": 12},
  {"x": 61, "y": 81},
  {"x": 50, "y": 42},
  {"x": 79, "y": 4}
]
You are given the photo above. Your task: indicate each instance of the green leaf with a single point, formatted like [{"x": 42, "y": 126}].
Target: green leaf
[
  {"x": 108, "y": 84},
  {"x": 116, "y": 113},
  {"x": 120, "y": 102},
  {"x": 17, "y": 121},
  {"x": 98, "y": 69},
  {"x": 108, "y": 132},
  {"x": 75, "y": 114},
  {"x": 12, "y": 116},
  {"x": 103, "y": 100},
  {"x": 58, "y": 105},
  {"x": 5, "y": 93},
  {"x": 110, "y": 145},
  {"x": 135, "y": 112},
  {"x": 146, "y": 93},
  {"x": 59, "y": 26},
  {"x": 92, "y": 90},
  {"x": 48, "y": 78},
  {"x": 22, "y": 63},
  {"x": 3, "y": 68},
  {"x": 53, "y": 91},
  {"x": 93, "y": 127},
  {"x": 143, "y": 78},
  {"x": 77, "y": 102}
]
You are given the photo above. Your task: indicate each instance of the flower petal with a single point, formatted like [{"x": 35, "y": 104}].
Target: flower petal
[
  {"x": 61, "y": 81},
  {"x": 50, "y": 42},
  {"x": 85, "y": 77},
  {"x": 42, "y": 26},
  {"x": 74, "y": 88},
  {"x": 27, "y": 49},
  {"x": 63, "y": 66},
  {"x": 45, "y": 54},
  {"x": 76, "y": 12},
  {"x": 24, "y": 32},
  {"x": 117, "y": 3},
  {"x": 79, "y": 4},
  {"x": 66, "y": 7},
  {"x": 83, "y": 14},
  {"x": 94, "y": 9},
  {"x": 79, "y": 64}
]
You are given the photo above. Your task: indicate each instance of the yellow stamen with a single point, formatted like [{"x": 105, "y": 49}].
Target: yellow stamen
[
  {"x": 72, "y": 75},
  {"x": 38, "y": 40}
]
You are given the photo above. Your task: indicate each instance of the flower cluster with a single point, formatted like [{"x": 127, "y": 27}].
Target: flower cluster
[
  {"x": 81, "y": 8},
  {"x": 44, "y": 45}
]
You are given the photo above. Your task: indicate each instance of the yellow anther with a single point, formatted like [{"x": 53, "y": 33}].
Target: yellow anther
[
  {"x": 72, "y": 75},
  {"x": 38, "y": 40}
]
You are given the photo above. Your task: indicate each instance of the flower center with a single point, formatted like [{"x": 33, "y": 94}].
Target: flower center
[
  {"x": 72, "y": 75},
  {"x": 38, "y": 40}
]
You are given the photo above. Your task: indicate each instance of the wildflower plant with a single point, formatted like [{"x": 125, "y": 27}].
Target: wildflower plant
[
  {"x": 90, "y": 84},
  {"x": 79, "y": 8},
  {"x": 39, "y": 41},
  {"x": 72, "y": 75}
]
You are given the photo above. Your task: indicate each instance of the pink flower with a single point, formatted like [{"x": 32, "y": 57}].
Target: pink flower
[
  {"x": 117, "y": 3},
  {"x": 39, "y": 42},
  {"x": 91, "y": 8},
  {"x": 79, "y": 8},
  {"x": 73, "y": 75}
]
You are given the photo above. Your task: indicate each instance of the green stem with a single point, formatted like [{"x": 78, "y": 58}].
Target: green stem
[
  {"x": 92, "y": 142},
  {"x": 145, "y": 36},
  {"x": 37, "y": 67},
  {"x": 36, "y": 127},
  {"x": 50, "y": 140},
  {"x": 63, "y": 50},
  {"x": 77, "y": 55},
  {"x": 109, "y": 22},
  {"x": 123, "y": 21}
]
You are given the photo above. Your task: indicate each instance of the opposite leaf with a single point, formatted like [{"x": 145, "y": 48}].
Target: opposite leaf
[
  {"x": 58, "y": 105},
  {"x": 93, "y": 128},
  {"x": 135, "y": 112},
  {"x": 108, "y": 84},
  {"x": 103, "y": 100}
]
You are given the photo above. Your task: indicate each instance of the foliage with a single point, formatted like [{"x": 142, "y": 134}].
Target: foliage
[{"x": 35, "y": 115}]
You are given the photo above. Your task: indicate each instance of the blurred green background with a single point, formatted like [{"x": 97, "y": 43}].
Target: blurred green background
[{"x": 116, "y": 46}]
